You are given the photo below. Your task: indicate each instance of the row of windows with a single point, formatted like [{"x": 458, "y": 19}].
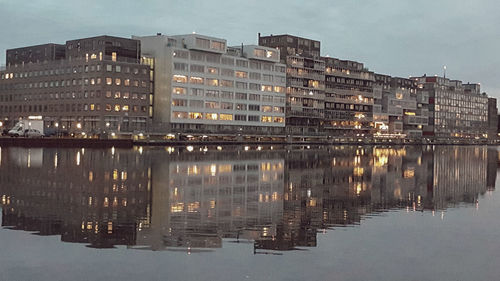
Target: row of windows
[
  {"x": 179, "y": 66},
  {"x": 76, "y": 82},
  {"x": 182, "y": 79},
  {"x": 71, "y": 108},
  {"x": 226, "y": 105},
  {"x": 69, "y": 70},
  {"x": 72, "y": 95},
  {"x": 230, "y": 61},
  {"x": 227, "y": 95},
  {"x": 227, "y": 117}
]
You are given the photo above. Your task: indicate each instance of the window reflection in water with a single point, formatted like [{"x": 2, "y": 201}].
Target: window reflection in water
[{"x": 279, "y": 198}]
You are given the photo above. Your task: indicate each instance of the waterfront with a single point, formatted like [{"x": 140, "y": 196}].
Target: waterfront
[{"x": 250, "y": 213}]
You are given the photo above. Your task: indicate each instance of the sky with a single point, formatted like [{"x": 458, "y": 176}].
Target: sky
[{"x": 395, "y": 37}]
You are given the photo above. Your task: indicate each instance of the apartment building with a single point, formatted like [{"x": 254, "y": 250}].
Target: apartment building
[
  {"x": 89, "y": 85},
  {"x": 305, "y": 81},
  {"x": 456, "y": 110},
  {"x": 202, "y": 85},
  {"x": 349, "y": 98}
]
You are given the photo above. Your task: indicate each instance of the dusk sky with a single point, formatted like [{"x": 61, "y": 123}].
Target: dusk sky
[{"x": 395, "y": 37}]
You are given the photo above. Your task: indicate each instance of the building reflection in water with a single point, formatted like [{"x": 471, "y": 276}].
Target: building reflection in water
[{"x": 190, "y": 199}]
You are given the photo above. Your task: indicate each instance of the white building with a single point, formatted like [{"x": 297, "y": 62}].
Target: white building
[{"x": 201, "y": 85}]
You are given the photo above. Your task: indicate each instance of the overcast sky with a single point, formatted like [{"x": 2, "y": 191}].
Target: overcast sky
[{"x": 395, "y": 37}]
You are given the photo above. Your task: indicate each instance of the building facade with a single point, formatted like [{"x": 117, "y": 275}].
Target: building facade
[
  {"x": 202, "y": 85},
  {"x": 349, "y": 98},
  {"x": 92, "y": 85},
  {"x": 305, "y": 81},
  {"x": 456, "y": 110}
]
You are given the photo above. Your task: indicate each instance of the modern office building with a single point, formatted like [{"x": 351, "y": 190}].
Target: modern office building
[
  {"x": 202, "y": 85},
  {"x": 349, "y": 98},
  {"x": 89, "y": 85},
  {"x": 456, "y": 110},
  {"x": 305, "y": 81}
]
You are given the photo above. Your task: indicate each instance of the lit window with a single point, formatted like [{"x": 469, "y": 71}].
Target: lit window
[
  {"x": 212, "y": 82},
  {"x": 226, "y": 117},
  {"x": 179, "y": 91},
  {"x": 211, "y": 116},
  {"x": 113, "y": 56},
  {"x": 126, "y": 82},
  {"x": 267, "y": 119},
  {"x": 118, "y": 81},
  {"x": 125, "y": 108},
  {"x": 196, "y": 80},
  {"x": 195, "y": 115},
  {"x": 180, "y": 78},
  {"x": 109, "y": 81},
  {"x": 241, "y": 74},
  {"x": 92, "y": 107},
  {"x": 117, "y": 107},
  {"x": 117, "y": 95}
]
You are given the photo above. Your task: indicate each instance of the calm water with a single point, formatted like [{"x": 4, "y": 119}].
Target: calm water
[{"x": 248, "y": 213}]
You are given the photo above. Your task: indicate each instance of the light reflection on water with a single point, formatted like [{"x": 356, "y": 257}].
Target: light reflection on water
[{"x": 196, "y": 199}]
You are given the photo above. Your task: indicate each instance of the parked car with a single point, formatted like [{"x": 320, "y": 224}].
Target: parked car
[{"x": 33, "y": 133}]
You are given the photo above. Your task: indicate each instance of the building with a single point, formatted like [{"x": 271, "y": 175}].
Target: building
[
  {"x": 90, "y": 85},
  {"x": 492, "y": 119},
  {"x": 305, "y": 81},
  {"x": 403, "y": 116},
  {"x": 349, "y": 98},
  {"x": 456, "y": 110},
  {"x": 202, "y": 85}
]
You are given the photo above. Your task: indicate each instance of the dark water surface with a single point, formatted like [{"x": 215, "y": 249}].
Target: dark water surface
[{"x": 250, "y": 213}]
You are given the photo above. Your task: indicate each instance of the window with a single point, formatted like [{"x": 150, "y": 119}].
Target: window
[
  {"x": 108, "y": 107},
  {"x": 242, "y": 63},
  {"x": 241, "y": 74},
  {"x": 226, "y": 83},
  {"x": 254, "y": 86},
  {"x": 212, "y": 94},
  {"x": 108, "y": 94},
  {"x": 126, "y": 82},
  {"x": 227, "y": 72},
  {"x": 226, "y": 95},
  {"x": 212, "y": 82},
  {"x": 196, "y": 92},
  {"x": 179, "y": 102},
  {"x": 212, "y": 70},
  {"x": 178, "y": 79},
  {"x": 211, "y": 116},
  {"x": 179, "y": 91},
  {"x": 241, "y": 85},
  {"x": 267, "y": 108},
  {"x": 226, "y": 117},
  {"x": 216, "y": 45},
  {"x": 195, "y": 115},
  {"x": 240, "y": 117},
  {"x": 240, "y": 106},
  {"x": 125, "y": 108},
  {"x": 227, "y": 61},
  {"x": 197, "y": 68},
  {"x": 255, "y": 97},
  {"x": 117, "y": 95},
  {"x": 253, "y": 118},
  {"x": 195, "y": 80},
  {"x": 118, "y": 68},
  {"x": 254, "y": 107},
  {"x": 181, "y": 54},
  {"x": 118, "y": 81},
  {"x": 180, "y": 115},
  {"x": 109, "y": 67},
  {"x": 241, "y": 96},
  {"x": 117, "y": 107},
  {"x": 267, "y": 119},
  {"x": 266, "y": 88},
  {"x": 180, "y": 66},
  {"x": 109, "y": 81},
  {"x": 211, "y": 104},
  {"x": 196, "y": 103},
  {"x": 279, "y": 89},
  {"x": 226, "y": 105},
  {"x": 202, "y": 43},
  {"x": 126, "y": 95},
  {"x": 279, "y": 109}
]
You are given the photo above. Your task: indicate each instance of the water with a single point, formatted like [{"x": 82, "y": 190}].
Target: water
[{"x": 250, "y": 213}]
